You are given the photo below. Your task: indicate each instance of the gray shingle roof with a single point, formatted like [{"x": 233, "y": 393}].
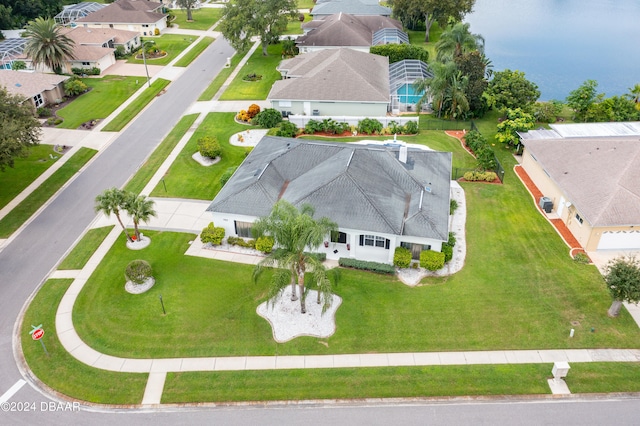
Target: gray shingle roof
[
  {"x": 360, "y": 187},
  {"x": 343, "y": 29},
  {"x": 354, "y": 7},
  {"x": 334, "y": 75},
  {"x": 601, "y": 176},
  {"x": 126, "y": 11}
]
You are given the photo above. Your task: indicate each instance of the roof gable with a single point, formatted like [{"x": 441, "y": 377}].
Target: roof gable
[
  {"x": 126, "y": 12},
  {"x": 343, "y": 29},
  {"x": 29, "y": 84}
]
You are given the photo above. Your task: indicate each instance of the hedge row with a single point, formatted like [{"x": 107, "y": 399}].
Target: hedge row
[{"x": 381, "y": 268}]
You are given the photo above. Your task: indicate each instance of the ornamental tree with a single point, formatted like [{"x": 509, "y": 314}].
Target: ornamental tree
[
  {"x": 510, "y": 89},
  {"x": 431, "y": 11},
  {"x": 517, "y": 121},
  {"x": 622, "y": 276},
  {"x": 20, "y": 129}
]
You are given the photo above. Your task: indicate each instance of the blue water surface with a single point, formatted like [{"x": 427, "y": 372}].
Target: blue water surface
[{"x": 561, "y": 43}]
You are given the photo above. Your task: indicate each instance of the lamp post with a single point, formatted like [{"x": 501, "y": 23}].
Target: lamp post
[{"x": 144, "y": 58}]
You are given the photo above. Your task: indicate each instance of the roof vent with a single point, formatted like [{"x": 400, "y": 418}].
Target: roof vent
[{"x": 402, "y": 156}]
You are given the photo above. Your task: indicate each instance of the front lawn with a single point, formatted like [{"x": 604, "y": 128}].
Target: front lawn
[
  {"x": 295, "y": 26},
  {"x": 106, "y": 94},
  {"x": 203, "y": 18},
  {"x": 173, "y": 44},
  {"x": 187, "y": 178},
  {"x": 82, "y": 252},
  {"x": 194, "y": 52},
  {"x": 259, "y": 65},
  {"x": 222, "y": 76}
]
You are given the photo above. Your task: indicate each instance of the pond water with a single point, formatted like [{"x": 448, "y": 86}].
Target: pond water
[{"x": 561, "y": 43}]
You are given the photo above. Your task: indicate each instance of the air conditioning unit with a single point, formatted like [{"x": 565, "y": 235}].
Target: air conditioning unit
[{"x": 546, "y": 204}]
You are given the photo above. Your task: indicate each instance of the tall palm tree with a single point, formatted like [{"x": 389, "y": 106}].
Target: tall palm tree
[
  {"x": 436, "y": 88},
  {"x": 458, "y": 40},
  {"x": 110, "y": 201},
  {"x": 141, "y": 209},
  {"x": 295, "y": 232},
  {"x": 459, "y": 104},
  {"x": 46, "y": 45}
]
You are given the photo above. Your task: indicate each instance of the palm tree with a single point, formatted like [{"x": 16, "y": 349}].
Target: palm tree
[
  {"x": 295, "y": 232},
  {"x": 46, "y": 45},
  {"x": 458, "y": 40},
  {"x": 457, "y": 95},
  {"x": 140, "y": 208},
  {"x": 436, "y": 88},
  {"x": 111, "y": 201},
  {"x": 634, "y": 95}
]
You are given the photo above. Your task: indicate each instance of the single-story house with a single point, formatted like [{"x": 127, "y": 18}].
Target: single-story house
[
  {"x": 590, "y": 174},
  {"x": 381, "y": 197},
  {"x": 41, "y": 89},
  {"x": 142, "y": 16},
  {"x": 354, "y": 32},
  {"x": 353, "y": 7},
  {"x": 333, "y": 82}
]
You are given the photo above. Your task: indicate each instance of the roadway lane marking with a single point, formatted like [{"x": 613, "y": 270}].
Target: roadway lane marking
[{"x": 15, "y": 388}]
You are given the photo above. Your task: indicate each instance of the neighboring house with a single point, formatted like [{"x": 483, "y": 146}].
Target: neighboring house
[
  {"x": 355, "y": 32},
  {"x": 380, "y": 197},
  {"x": 11, "y": 50},
  {"x": 73, "y": 12},
  {"x": 40, "y": 89},
  {"x": 333, "y": 82},
  {"x": 142, "y": 16},
  {"x": 402, "y": 75},
  {"x": 591, "y": 175},
  {"x": 354, "y": 7},
  {"x": 94, "y": 47}
]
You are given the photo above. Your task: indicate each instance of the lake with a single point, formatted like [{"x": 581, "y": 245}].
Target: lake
[{"x": 561, "y": 43}]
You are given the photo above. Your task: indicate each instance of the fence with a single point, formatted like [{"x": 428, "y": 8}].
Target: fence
[{"x": 458, "y": 172}]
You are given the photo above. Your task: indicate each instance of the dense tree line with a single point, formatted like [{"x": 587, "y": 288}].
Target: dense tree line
[{"x": 16, "y": 13}]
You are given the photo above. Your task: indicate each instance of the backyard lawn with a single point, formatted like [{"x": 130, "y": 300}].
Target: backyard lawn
[
  {"x": 260, "y": 65},
  {"x": 173, "y": 44},
  {"x": 106, "y": 94},
  {"x": 203, "y": 18}
]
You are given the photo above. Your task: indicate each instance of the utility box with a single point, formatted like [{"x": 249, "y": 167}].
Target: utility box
[
  {"x": 546, "y": 204},
  {"x": 560, "y": 369}
]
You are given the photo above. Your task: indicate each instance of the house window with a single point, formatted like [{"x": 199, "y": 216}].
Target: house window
[
  {"x": 243, "y": 229},
  {"x": 338, "y": 237},
  {"x": 86, "y": 64},
  {"x": 37, "y": 100},
  {"x": 145, "y": 26},
  {"x": 110, "y": 25},
  {"x": 374, "y": 241},
  {"x": 285, "y": 103},
  {"x": 579, "y": 219}
]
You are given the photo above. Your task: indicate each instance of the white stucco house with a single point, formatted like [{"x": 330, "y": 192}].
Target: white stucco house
[
  {"x": 142, "y": 16},
  {"x": 381, "y": 197}
]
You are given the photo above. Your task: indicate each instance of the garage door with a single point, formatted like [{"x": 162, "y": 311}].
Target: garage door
[{"x": 620, "y": 240}]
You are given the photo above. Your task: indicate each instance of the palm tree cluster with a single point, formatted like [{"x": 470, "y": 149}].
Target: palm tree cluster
[
  {"x": 138, "y": 207},
  {"x": 459, "y": 74},
  {"x": 46, "y": 45}
]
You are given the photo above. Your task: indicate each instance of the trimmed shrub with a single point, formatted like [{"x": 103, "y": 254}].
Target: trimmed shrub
[
  {"x": 582, "y": 258},
  {"x": 369, "y": 126},
  {"x": 287, "y": 129},
  {"x": 411, "y": 128},
  {"x": 19, "y": 65},
  {"x": 253, "y": 110},
  {"x": 453, "y": 206},
  {"x": 43, "y": 112},
  {"x": 86, "y": 71},
  {"x": 74, "y": 87},
  {"x": 243, "y": 115},
  {"x": 208, "y": 146},
  {"x": 431, "y": 260},
  {"x": 480, "y": 176},
  {"x": 119, "y": 52},
  {"x": 448, "y": 252},
  {"x": 402, "y": 257},
  {"x": 399, "y": 52},
  {"x": 212, "y": 234},
  {"x": 312, "y": 127},
  {"x": 227, "y": 175},
  {"x": 156, "y": 32},
  {"x": 237, "y": 241},
  {"x": 381, "y": 268},
  {"x": 264, "y": 244},
  {"x": 137, "y": 271},
  {"x": 267, "y": 118}
]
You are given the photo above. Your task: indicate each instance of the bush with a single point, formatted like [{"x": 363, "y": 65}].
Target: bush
[
  {"x": 156, "y": 32},
  {"x": 448, "y": 252},
  {"x": 119, "y": 52},
  {"x": 237, "y": 241},
  {"x": 74, "y": 87},
  {"x": 369, "y": 126},
  {"x": 402, "y": 257},
  {"x": 86, "y": 71},
  {"x": 399, "y": 52},
  {"x": 581, "y": 258},
  {"x": 394, "y": 127},
  {"x": 431, "y": 260},
  {"x": 267, "y": 118},
  {"x": 137, "y": 271},
  {"x": 212, "y": 234},
  {"x": 227, "y": 175},
  {"x": 411, "y": 128},
  {"x": 243, "y": 115},
  {"x": 320, "y": 257},
  {"x": 43, "y": 112},
  {"x": 474, "y": 140},
  {"x": 287, "y": 129},
  {"x": 453, "y": 206},
  {"x": 264, "y": 244},
  {"x": 253, "y": 110},
  {"x": 208, "y": 146},
  {"x": 480, "y": 176},
  {"x": 382, "y": 268},
  {"x": 19, "y": 65},
  {"x": 312, "y": 127}
]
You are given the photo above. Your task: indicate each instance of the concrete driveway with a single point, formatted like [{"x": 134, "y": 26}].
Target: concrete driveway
[{"x": 121, "y": 67}]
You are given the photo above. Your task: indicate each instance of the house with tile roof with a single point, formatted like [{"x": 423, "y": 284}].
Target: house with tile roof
[
  {"x": 381, "y": 197},
  {"x": 333, "y": 82},
  {"x": 591, "y": 175},
  {"x": 38, "y": 88},
  {"x": 354, "y": 7},
  {"x": 142, "y": 16},
  {"x": 354, "y": 32}
]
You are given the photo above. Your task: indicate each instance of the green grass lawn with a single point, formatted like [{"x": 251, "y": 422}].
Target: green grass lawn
[
  {"x": 306, "y": 4},
  {"x": 194, "y": 52},
  {"x": 173, "y": 44},
  {"x": 258, "y": 64},
  {"x": 59, "y": 370},
  {"x": 106, "y": 94},
  {"x": 136, "y": 106},
  {"x": 222, "y": 76},
  {"x": 295, "y": 26},
  {"x": 187, "y": 178},
  {"x": 203, "y": 18},
  {"x": 13, "y": 180},
  {"x": 155, "y": 160},
  {"x": 23, "y": 211},
  {"x": 82, "y": 252}
]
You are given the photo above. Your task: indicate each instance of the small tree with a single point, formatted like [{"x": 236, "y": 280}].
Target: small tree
[
  {"x": 622, "y": 276},
  {"x": 510, "y": 89},
  {"x": 140, "y": 208},
  {"x": 517, "y": 121},
  {"x": 74, "y": 87},
  {"x": 138, "y": 271},
  {"x": 581, "y": 99},
  {"x": 209, "y": 146},
  {"x": 267, "y": 118},
  {"x": 20, "y": 129},
  {"x": 112, "y": 200}
]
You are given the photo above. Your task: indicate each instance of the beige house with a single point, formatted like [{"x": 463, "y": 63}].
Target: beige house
[
  {"x": 40, "y": 89},
  {"x": 141, "y": 16},
  {"x": 591, "y": 175}
]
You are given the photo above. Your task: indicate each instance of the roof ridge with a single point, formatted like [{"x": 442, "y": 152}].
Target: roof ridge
[{"x": 620, "y": 186}]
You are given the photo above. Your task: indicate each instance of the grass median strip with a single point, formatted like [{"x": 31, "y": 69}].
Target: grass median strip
[
  {"x": 23, "y": 211},
  {"x": 264, "y": 66},
  {"x": 151, "y": 165},
  {"x": 59, "y": 370},
  {"x": 194, "y": 52},
  {"x": 79, "y": 256},
  {"x": 138, "y": 104},
  {"x": 222, "y": 76}
]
